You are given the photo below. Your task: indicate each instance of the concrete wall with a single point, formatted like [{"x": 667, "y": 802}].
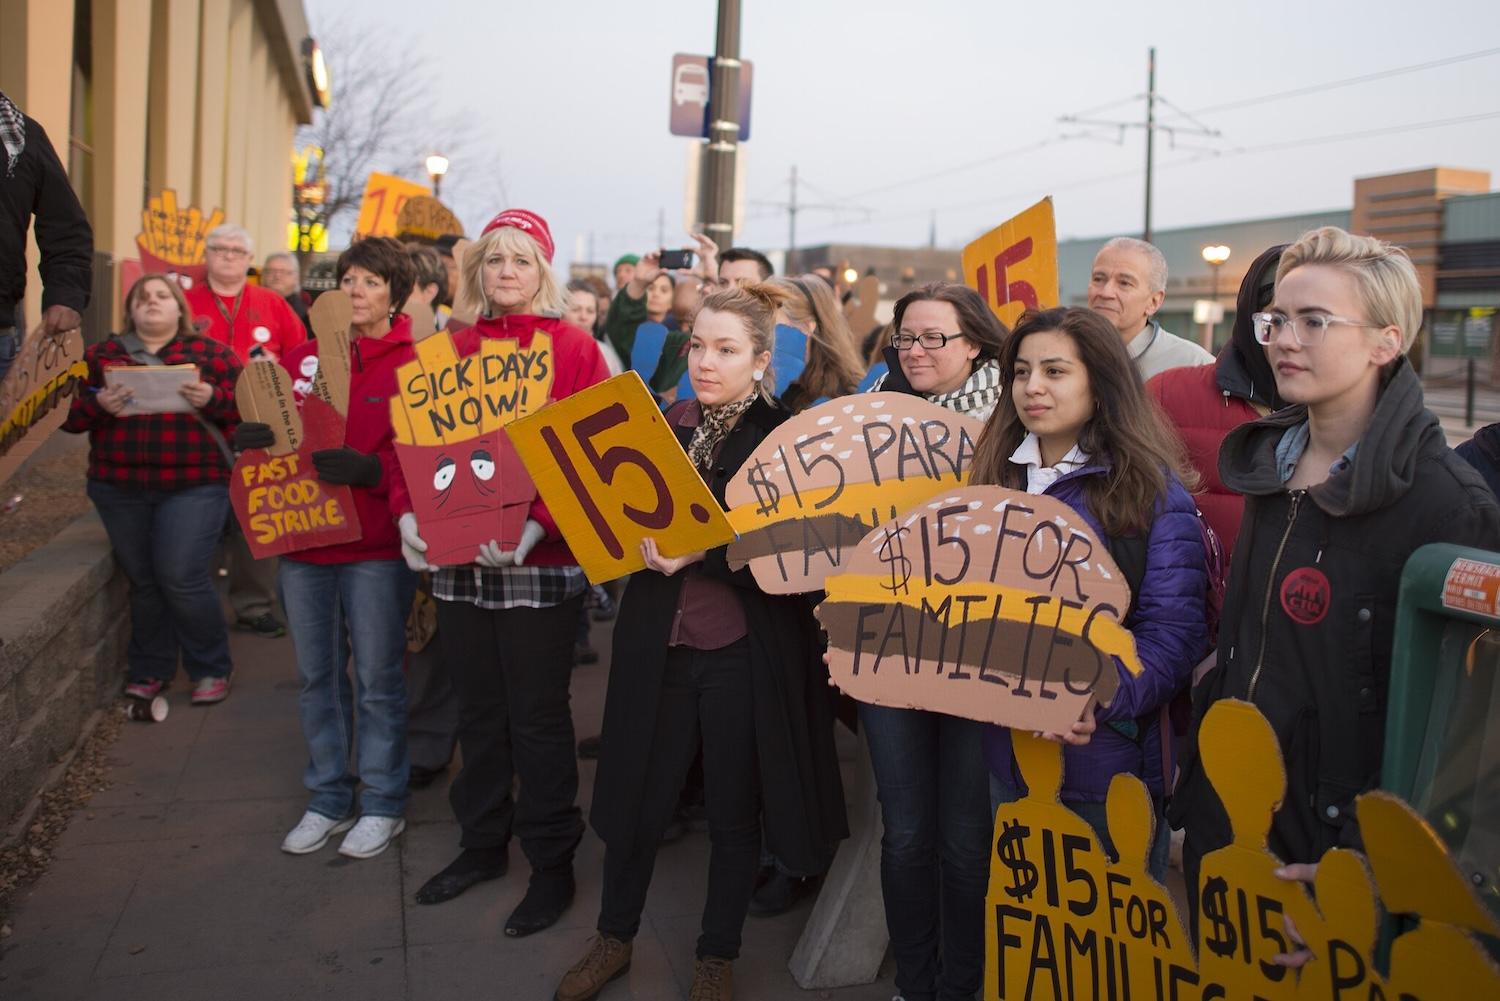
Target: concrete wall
[{"x": 63, "y": 630}]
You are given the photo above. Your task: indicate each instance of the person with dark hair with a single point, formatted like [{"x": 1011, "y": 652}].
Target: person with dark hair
[
  {"x": 743, "y": 266},
  {"x": 1341, "y": 485},
  {"x": 448, "y": 246},
  {"x": 34, "y": 185},
  {"x": 834, "y": 366},
  {"x": 430, "y": 284},
  {"x": 161, "y": 485},
  {"x": 347, "y": 603},
  {"x": 701, "y": 652},
  {"x": 944, "y": 342},
  {"x": 624, "y": 270},
  {"x": 1079, "y": 427},
  {"x": 1206, "y": 402},
  {"x": 648, "y": 296},
  {"x": 929, "y": 767}
]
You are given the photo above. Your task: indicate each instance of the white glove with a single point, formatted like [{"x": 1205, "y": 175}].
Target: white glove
[
  {"x": 413, "y": 549},
  {"x": 491, "y": 556}
]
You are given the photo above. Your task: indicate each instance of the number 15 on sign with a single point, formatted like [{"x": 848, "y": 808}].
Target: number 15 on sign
[
  {"x": 612, "y": 474},
  {"x": 1014, "y": 265}
]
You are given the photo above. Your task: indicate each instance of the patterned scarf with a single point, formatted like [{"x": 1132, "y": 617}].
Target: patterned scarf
[
  {"x": 713, "y": 425},
  {"x": 12, "y": 133},
  {"x": 977, "y": 396}
]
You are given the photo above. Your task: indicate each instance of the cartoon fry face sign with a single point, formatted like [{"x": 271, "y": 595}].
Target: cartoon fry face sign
[{"x": 467, "y": 484}]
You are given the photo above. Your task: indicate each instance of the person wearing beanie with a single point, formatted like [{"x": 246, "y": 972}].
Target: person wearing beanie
[
  {"x": 506, "y": 621},
  {"x": 625, "y": 269}
]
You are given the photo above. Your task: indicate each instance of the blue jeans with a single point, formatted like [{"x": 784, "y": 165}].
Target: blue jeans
[
  {"x": 1002, "y": 791},
  {"x": 333, "y": 611},
  {"x": 164, "y": 540},
  {"x": 935, "y": 851}
]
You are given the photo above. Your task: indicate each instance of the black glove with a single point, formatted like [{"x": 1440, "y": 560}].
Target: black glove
[
  {"x": 249, "y": 434},
  {"x": 346, "y": 467}
]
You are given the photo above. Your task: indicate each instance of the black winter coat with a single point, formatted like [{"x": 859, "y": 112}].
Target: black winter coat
[
  {"x": 801, "y": 791},
  {"x": 1309, "y": 612},
  {"x": 38, "y": 186}
]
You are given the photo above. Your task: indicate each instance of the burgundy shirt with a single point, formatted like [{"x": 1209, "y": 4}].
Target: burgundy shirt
[{"x": 709, "y": 615}]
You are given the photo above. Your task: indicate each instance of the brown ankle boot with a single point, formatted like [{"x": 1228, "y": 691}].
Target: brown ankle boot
[
  {"x": 713, "y": 980},
  {"x": 606, "y": 959}
]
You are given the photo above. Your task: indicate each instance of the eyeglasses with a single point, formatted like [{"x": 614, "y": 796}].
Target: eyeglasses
[
  {"x": 228, "y": 251},
  {"x": 930, "y": 340},
  {"x": 1308, "y": 329}
]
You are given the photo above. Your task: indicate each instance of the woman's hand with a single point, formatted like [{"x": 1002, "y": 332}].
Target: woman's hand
[
  {"x": 646, "y": 270},
  {"x": 707, "y": 268},
  {"x": 198, "y": 394},
  {"x": 1297, "y": 872},
  {"x": 1079, "y": 734},
  {"x": 114, "y": 399},
  {"x": 668, "y": 565}
]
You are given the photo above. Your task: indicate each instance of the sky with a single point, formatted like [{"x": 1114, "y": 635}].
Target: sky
[{"x": 904, "y": 117}]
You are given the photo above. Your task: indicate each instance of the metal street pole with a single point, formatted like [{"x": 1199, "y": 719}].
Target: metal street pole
[
  {"x": 1150, "y": 132},
  {"x": 723, "y": 129},
  {"x": 791, "y": 223}
]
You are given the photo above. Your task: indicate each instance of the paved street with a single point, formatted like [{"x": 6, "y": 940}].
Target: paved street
[{"x": 171, "y": 885}]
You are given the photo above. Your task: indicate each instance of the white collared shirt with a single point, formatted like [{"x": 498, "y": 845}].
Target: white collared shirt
[{"x": 1038, "y": 476}]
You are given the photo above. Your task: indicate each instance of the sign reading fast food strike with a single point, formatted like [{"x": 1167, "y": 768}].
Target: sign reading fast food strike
[
  {"x": 985, "y": 603},
  {"x": 467, "y": 484},
  {"x": 818, "y": 483}
]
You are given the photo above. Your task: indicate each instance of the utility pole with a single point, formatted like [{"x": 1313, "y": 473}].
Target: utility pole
[
  {"x": 792, "y": 206},
  {"x": 1150, "y": 132},
  {"x": 661, "y": 228},
  {"x": 723, "y": 129},
  {"x": 791, "y": 223},
  {"x": 1184, "y": 124}
]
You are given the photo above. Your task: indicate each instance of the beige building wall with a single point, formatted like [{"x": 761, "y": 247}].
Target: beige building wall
[{"x": 201, "y": 96}]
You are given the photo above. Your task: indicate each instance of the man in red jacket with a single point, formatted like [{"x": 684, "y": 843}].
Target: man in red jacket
[{"x": 256, "y": 323}]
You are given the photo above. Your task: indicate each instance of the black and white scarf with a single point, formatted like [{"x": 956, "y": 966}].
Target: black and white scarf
[
  {"x": 12, "y": 133},
  {"x": 975, "y": 398},
  {"x": 713, "y": 425}
]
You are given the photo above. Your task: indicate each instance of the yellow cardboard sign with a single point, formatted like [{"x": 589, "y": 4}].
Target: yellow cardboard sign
[
  {"x": 426, "y": 217},
  {"x": 385, "y": 196},
  {"x": 612, "y": 474},
  {"x": 264, "y": 394},
  {"x": 173, "y": 234},
  {"x": 1065, "y": 921},
  {"x": 37, "y": 392},
  {"x": 1014, "y": 266}
]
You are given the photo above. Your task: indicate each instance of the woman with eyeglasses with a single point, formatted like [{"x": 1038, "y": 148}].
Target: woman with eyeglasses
[
  {"x": 930, "y": 772},
  {"x": 1340, "y": 487}
]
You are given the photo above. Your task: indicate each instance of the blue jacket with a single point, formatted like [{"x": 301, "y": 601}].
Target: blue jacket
[{"x": 1171, "y": 637}]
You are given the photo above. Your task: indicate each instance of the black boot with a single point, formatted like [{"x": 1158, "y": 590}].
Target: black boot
[
  {"x": 473, "y": 865},
  {"x": 546, "y": 898}
]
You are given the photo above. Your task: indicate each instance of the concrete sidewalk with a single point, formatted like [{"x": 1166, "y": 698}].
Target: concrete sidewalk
[{"x": 170, "y": 884}]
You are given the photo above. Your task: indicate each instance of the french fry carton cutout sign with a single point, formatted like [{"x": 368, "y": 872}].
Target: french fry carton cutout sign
[
  {"x": 173, "y": 238},
  {"x": 281, "y": 504},
  {"x": 467, "y": 484},
  {"x": 822, "y": 480},
  {"x": 985, "y": 603}
]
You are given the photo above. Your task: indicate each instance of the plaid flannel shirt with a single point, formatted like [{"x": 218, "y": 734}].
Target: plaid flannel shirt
[
  {"x": 158, "y": 451},
  {"x": 509, "y": 587}
]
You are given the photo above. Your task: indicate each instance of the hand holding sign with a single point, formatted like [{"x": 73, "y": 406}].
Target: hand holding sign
[{"x": 613, "y": 474}]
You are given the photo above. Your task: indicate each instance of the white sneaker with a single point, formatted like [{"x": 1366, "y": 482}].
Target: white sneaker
[
  {"x": 371, "y": 836},
  {"x": 312, "y": 832}
]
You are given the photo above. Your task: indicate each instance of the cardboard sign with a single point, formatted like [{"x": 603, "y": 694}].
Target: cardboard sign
[
  {"x": 34, "y": 398},
  {"x": 331, "y": 316},
  {"x": 983, "y": 602},
  {"x": 467, "y": 485},
  {"x": 1065, "y": 921},
  {"x": 1014, "y": 265},
  {"x": 385, "y": 196},
  {"x": 279, "y": 500},
  {"x": 612, "y": 474},
  {"x": 818, "y": 483},
  {"x": 427, "y": 218},
  {"x": 866, "y": 300},
  {"x": 173, "y": 238},
  {"x": 423, "y": 320},
  {"x": 264, "y": 394}
]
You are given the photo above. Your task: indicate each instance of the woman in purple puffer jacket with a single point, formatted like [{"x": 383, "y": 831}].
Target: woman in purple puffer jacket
[{"x": 1078, "y": 426}]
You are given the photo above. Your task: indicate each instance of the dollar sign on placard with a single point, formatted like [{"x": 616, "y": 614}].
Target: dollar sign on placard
[
  {"x": 1220, "y": 939},
  {"x": 893, "y": 554},
  {"x": 1012, "y": 851},
  {"x": 767, "y": 494}
]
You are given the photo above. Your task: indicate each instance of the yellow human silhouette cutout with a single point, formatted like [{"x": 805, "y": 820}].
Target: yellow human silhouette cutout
[
  {"x": 1416, "y": 876},
  {"x": 1344, "y": 956},
  {"x": 1139, "y": 910},
  {"x": 1241, "y": 901},
  {"x": 1046, "y": 905}
]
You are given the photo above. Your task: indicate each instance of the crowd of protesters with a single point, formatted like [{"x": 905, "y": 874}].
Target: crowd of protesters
[{"x": 1303, "y": 449}]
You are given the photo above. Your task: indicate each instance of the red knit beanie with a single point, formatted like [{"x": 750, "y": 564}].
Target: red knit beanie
[{"x": 529, "y": 223}]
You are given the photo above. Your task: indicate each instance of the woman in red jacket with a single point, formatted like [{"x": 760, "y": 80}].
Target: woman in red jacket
[
  {"x": 352, "y": 598},
  {"x": 506, "y": 622}
]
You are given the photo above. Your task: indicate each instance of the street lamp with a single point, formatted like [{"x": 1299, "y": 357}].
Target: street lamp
[
  {"x": 1214, "y": 256},
  {"x": 437, "y": 166}
]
